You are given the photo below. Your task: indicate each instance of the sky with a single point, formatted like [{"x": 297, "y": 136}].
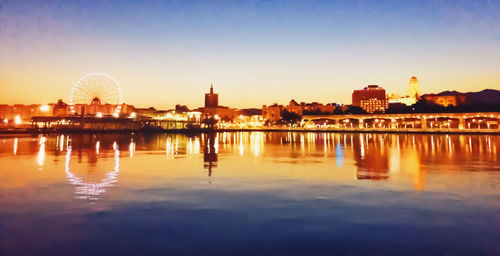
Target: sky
[{"x": 164, "y": 53}]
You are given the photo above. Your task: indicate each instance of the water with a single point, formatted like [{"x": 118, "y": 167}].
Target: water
[{"x": 250, "y": 194}]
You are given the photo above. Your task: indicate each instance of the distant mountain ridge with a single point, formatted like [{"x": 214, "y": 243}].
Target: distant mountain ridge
[{"x": 484, "y": 97}]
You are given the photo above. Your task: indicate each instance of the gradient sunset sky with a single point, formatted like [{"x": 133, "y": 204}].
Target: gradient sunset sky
[{"x": 254, "y": 52}]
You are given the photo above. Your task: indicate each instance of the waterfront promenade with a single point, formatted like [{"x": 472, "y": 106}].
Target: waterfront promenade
[{"x": 485, "y": 122}]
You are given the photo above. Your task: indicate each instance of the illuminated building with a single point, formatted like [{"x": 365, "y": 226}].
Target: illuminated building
[
  {"x": 272, "y": 112},
  {"x": 412, "y": 97},
  {"x": 371, "y": 99},
  {"x": 414, "y": 88},
  {"x": 445, "y": 101},
  {"x": 294, "y": 107},
  {"x": 150, "y": 112},
  {"x": 318, "y": 107},
  {"x": 60, "y": 109},
  {"x": 212, "y": 108}
]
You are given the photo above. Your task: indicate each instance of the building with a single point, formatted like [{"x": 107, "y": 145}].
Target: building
[
  {"x": 60, "y": 109},
  {"x": 213, "y": 110},
  {"x": 294, "y": 107},
  {"x": 318, "y": 107},
  {"x": 396, "y": 99},
  {"x": 272, "y": 112},
  {"x": 211, "y": 99},
  {"x": 445, "y": 101},
  {"x": 414, "y": 88},
  {"x": 413, "y": 94},
  {"x": 371, "y": 99},
  {"x": 150, "y": 112}
]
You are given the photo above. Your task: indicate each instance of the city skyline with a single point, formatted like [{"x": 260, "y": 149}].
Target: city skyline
[{"x": 167, "y": 53}]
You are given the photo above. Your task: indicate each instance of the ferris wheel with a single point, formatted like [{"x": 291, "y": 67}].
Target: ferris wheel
[{"x": 96, "y": 88}]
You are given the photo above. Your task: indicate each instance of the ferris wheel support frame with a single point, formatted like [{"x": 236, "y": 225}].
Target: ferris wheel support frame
[{"x": 115, "y": 83}]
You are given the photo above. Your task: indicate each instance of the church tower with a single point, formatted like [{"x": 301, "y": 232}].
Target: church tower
[{"x": 211, "y": 99}]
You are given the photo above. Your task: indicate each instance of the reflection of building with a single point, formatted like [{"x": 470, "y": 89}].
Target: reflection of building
[
  {"x": 210, "y": 152},
  {"x": 371, "y": 99},
  {"x": 372, "y": 158}
]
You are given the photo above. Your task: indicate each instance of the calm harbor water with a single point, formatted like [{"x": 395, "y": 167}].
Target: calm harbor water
[{"x": 250, "y": 193}]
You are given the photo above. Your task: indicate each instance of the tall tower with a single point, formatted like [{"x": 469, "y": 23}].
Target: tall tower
[
  {"x": 414, "y": 88},
  {"x": 211, "y": 99}
]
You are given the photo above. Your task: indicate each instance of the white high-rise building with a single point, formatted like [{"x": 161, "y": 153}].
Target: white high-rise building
[
  {"x": 414, "y": 88},
  {"x": 411, "y": 98}
]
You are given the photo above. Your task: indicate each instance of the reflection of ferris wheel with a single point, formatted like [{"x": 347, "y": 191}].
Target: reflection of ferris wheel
[
  {"x": 91, "y": 190},
  {"x": 96, "y": 88}
]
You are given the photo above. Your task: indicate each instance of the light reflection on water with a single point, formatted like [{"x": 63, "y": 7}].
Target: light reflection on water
[{"x": 311, "y": 193}]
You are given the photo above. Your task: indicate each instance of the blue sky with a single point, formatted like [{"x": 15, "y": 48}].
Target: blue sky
[{"x": 255, "y": 52}]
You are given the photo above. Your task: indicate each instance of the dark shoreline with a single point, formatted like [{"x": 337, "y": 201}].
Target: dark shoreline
[{"x": 199, "y": 131}]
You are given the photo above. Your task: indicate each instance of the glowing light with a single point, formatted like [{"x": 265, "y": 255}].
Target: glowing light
[
  {"x": 115, "y": 146},
  {"x": 97, "y": 146},
  {"x": 171, "y": 147},
  {"x": 17, "y": 119},
  {"x": 44, "y": 108},
  {"x": 197, "y": 145},
  {"x": 241, "y": 148},
  {"x": 98, "y": 114},
  {"x": 5, "y": 121},
  {"x": 61, "y": 145},
  {"x": 131, "y": 148},
  {"x": 216, "y": 117},
  {"x": 116, "y": 114},
  {"x": 133, "y": 115},
  {"x": 41, "y": 153},
  {"x": 339, "y": 156},
  {"x": 15, "y": 146}
]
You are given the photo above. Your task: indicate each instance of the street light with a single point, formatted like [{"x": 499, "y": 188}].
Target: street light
[
  {"x": 17, "y": 119},
  {"x": 44, "y": 108}
]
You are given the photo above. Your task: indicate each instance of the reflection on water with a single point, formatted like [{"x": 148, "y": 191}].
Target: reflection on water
[
  {"x": 210, "y": 151},
  {"x": 374, "y": 156},
  {"x": 306, "y": 187},
  {"x": 87, "y": 186},
  {"x": 41, "y": 152}
]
